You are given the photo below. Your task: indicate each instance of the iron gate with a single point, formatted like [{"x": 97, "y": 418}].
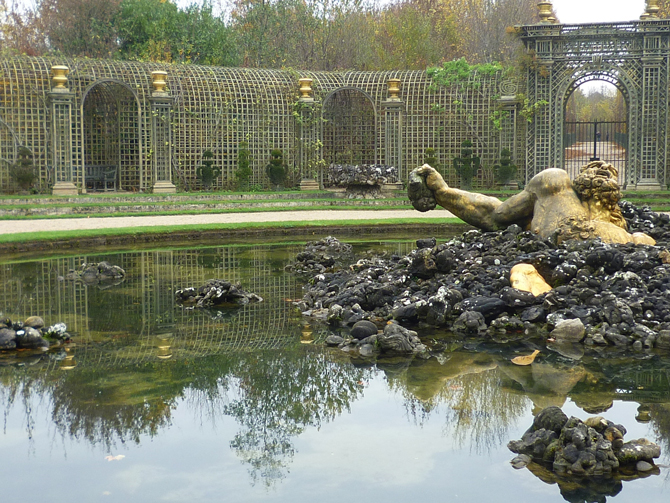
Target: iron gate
[{"x": 584, "y": 142}]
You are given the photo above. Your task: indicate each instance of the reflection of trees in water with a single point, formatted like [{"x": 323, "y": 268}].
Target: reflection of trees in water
[
  {"x": 273, "y": 395},
  {"x": 478, "y": 411},
  {"x": 278, "y": 396},
  {"x": 660, "y": 425}
]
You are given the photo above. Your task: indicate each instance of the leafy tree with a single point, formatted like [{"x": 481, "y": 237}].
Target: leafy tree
[
  {"x": 467, "y": 165},
  {"x": 80, "y": 27}
]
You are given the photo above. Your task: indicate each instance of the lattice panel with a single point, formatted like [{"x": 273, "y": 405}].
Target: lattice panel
[{"x": 633, "y": 56}]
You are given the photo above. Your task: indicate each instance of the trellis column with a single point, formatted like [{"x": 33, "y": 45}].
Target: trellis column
[
  {"x": 394, "y": 108},
  {"x": 161, "y": 135},
  {"x": 310, "y": 144},
  {"x": 654, "y": 115},
  {"x": 61, "y": 100}
]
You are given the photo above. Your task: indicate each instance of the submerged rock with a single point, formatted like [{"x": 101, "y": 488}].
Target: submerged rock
[{"x": 103, "y": 274}]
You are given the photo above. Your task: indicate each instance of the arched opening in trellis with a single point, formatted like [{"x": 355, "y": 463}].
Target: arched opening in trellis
[
  {"x": 596, "y": 124},
  {"x": 111, "y": 137},
  {"x": 349, "y": 128}
]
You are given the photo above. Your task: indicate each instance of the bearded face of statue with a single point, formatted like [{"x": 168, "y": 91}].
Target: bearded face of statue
[{"x": 598, "y": 189}]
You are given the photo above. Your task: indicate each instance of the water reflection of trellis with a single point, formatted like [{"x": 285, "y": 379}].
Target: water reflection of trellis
[
  {"x": 648, "y": 386},
  {"x": 146, "y": 301}
]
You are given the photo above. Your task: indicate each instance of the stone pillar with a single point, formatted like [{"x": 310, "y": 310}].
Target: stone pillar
[
  {"x": 61, "y": 100},
  {"x": 394, "y": 108},
  {"x": 161, "y": 135},
  {"x": 308, "y": 131}
]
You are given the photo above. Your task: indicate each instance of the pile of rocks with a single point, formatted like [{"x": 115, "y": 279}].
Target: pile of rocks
[
  {"x": 214, "y": 293},
  {"x": 367, "y": 340},
  {"x": 346, "y": 175},
  {"x": 620, "y": 294},
  {"x": 327, "y": 254},
  {"x": 30, "y": 333},
  {"x": 594, "y": 447},
  {"x": 102, "y": 274}
]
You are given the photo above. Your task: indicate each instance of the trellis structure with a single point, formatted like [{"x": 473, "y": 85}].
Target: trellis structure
[
  {"x": 634, "y": 57},
  {"x": 154, "y": 131}
]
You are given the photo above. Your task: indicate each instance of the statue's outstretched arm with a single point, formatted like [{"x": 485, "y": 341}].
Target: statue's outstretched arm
[
  {"x": 476, "y": 209},
  {"x": 518, "y": 209}
]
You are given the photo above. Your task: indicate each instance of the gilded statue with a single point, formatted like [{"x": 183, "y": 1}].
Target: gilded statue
[{"x": 550, "y": 205}]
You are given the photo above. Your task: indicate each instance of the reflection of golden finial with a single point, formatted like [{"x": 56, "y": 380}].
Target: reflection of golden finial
[
  {"x": 164, "y": 346},
  {"x": 68, "y": 362},
  {"x": 651, "y": 10},
  {"x": 545, "y": 9}
]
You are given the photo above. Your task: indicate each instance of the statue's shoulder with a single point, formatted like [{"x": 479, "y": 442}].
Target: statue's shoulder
[{"x": 550, "y": 180}]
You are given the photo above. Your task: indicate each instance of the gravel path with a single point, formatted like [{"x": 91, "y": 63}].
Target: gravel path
[{"x": 67, "y": 224}]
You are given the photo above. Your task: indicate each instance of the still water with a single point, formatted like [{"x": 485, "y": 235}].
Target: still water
[{"x": 156, "y": 403}]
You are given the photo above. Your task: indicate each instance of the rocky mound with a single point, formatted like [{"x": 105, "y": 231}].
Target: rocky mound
[
  {"x": 103, "y": 274},
  {"x": 594, "y": 447},
  {"x": 30, "y": 334},
  {"x": 619, "y": 293},
  {"x": 214, "y": 293},
  {"x": 346, "y": 175},
  {"x": 327, "y": 254}
]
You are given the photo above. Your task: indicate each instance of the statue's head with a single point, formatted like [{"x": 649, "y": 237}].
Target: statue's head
[{"x": 598, "y": 186}]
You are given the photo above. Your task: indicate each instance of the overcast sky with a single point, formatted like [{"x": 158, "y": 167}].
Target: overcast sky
[{"x": 598, "y": 11}]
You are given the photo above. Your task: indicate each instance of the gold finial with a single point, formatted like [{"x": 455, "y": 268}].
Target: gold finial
[
  {"x": 59, "y": 77},
  {"x": 306, "y": 89},
  {"x": 394, "y": 89},
  {"x": 158, "y": 81},
  {"x": 651, "y": 10},
  {"x": 545, "y": 9}
]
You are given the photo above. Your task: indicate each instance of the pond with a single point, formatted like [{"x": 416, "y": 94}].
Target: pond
[{"x": 153, "y": 402}]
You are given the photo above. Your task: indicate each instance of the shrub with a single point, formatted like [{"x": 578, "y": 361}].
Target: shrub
[
  {"x": 22, "y": 172},
  {"x": 505, "y": 171},
  {"x": 206, "y": 172},
  {"x": 244, "y": 172},
  {"x": 467, "y": 165},
  {"x": 275, "y": 170}
]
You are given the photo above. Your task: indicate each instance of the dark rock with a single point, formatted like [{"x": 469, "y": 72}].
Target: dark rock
[
  {"x": 490, "y": 307},
  {"x": 551, "y": 419},
  {"x": 30, "y": 338},
  {"x": 638, "y": 450},
  {"x": 397, "y": 339},
  {"x": 7, "y": 338},
  {"x": 363, "y": 329},
  {"x": 470, "y": 322},
  {"x": 426, "y": 243},
  {"x": 34, "y": 322},
  {"x": 334, "y": 340},
  {"x": 568, "y": 331}
]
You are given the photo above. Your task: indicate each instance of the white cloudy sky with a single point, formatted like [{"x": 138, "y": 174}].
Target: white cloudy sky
[
  {"x": 598, "y": 11},
  {"x": 569, "y": 11}
]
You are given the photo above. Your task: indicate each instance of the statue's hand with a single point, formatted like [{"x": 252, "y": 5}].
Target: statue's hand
[
  {"x": 419, "y": 193},
  {"x": 434, "y": 180}
]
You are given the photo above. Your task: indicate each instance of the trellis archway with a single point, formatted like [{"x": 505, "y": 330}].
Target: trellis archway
[
  {"x": 634, "y": 56},
  {"x": 607, "y": 141},
  {"x": 349, "y": 127},
  {"x": 111, "y": 123}
]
